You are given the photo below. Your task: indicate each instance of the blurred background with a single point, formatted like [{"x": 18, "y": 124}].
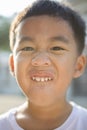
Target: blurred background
[{"x": 10, "y": 94}]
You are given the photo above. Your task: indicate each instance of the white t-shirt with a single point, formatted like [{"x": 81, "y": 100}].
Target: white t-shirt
[{"x": 76, "y": 121}]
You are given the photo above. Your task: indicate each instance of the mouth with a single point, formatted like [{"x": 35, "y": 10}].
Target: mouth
[
  {"x": 42, "y": 79},
  {"x": 41, "y": 76}
]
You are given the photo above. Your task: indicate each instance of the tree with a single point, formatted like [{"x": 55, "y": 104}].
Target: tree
[{"x": 4, "y": 33}]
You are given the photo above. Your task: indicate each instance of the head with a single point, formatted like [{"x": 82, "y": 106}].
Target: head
[
  {"x": 53, "y": 9},
  {"x": 47, "y": 40}
]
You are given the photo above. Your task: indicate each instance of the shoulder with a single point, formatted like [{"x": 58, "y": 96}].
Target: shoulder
[
  {"x": 7, "y": 114},
  {"x": 5, "y": 119},
  {"x": 80, "y": 113},
  {"x": 79, "y": 109}
]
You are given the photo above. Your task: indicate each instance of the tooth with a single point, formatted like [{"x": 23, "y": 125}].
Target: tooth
[
  {"x": 33, "y": 78},
  {"x": 42, "y": 79},
  {"x": 46, "y": 79},
  {"x": 49, "y": 78},
  {"x": 37, "y": 79}
]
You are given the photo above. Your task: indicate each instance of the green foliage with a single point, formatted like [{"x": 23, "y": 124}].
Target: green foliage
[{"x": 4, "y": 33}]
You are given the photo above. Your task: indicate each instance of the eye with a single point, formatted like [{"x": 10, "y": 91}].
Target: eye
[
  {"x": 57, "y": 48},
  {"x": 28, "y": 49}
]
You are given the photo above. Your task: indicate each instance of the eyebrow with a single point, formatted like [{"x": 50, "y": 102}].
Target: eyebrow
[
  {"x": 52, "y": 39},
  {"x": 60, "y": 38},
  {"x": 25, "y": 39}
]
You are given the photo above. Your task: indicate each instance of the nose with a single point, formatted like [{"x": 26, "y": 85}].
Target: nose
[{"x": 41, "y": 59}]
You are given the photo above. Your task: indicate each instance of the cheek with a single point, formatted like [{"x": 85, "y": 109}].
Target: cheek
[
  {"x": 66, "y": 69},
  {"x": 68, "y": 63},
  {"x": 21, "y": 74},
  {"x": 20, "y": 66}
]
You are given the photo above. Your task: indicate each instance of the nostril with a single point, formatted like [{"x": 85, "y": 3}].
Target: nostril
[{"x": 41, "y": 61}]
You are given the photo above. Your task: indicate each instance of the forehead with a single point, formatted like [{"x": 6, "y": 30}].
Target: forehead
[
  {"x": 46, "y": 21},
  {"x": 44, "y": 26}
]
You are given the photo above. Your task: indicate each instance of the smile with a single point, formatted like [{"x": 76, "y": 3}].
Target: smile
[{"x": 41, "y": 79}]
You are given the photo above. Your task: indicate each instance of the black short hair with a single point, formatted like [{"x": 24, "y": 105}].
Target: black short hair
[{"x": 54, "y": 9}]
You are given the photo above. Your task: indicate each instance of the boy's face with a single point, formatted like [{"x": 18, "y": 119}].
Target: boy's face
[{"x": 45, "y": 59}]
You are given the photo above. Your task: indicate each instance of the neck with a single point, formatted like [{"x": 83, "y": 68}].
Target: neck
[
  {"x": 62, "y": 109},
  {"x": 38, "y": 117}
]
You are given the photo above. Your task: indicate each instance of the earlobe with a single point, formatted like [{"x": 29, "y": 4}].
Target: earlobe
[
  {"x": 80, "y": 66},
  {"x": 11, "y": 64}
]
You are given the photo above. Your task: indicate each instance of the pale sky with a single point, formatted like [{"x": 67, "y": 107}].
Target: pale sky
[{"x": 8, "y": 7}]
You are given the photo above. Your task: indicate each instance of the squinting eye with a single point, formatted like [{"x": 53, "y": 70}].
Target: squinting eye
[
  {"x": 56, "y": 48},
  {"x": 28, "y": 49}
]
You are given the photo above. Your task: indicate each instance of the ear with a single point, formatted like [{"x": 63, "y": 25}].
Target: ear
[
  {"x": 11, "y": 64},
  {"x": 80, "y": 66}
]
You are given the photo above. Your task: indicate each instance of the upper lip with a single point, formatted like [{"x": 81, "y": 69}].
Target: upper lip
[{"x": 41, "y": 74}]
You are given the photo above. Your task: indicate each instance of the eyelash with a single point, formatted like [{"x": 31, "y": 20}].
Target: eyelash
[
  {"x": 27, "y": 49},
  {"x": 56, "y": 48}
]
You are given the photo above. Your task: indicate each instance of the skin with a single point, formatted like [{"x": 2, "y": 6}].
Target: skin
[{"x": 45, "y": 47}]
